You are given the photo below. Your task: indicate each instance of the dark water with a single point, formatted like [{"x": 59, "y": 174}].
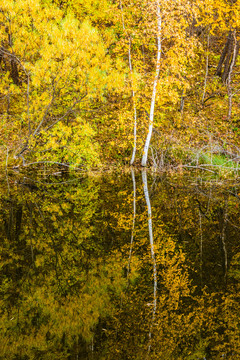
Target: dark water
[{"x": 120, "y": 266}]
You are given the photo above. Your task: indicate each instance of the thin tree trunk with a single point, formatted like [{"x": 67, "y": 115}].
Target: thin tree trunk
[
  {"x": 134, "y": 106},
  {"x": 6, "y": 170},
  {"x": 133, "y": 92},
  {"x": 206, "y": 71},
  {"x": 28, "y": 112},
  {"x": 229, "y": 78},
  {"x": 133, "y": 221},
  {"x": 182, "y": 102},
  {"x": 151, "y": 116},
  {"x": 223, "y": 238},
  {"x": 201, "y": 247}
]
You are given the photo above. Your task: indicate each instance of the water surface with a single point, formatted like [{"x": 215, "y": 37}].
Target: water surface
[{"x": 119, "y": 266}]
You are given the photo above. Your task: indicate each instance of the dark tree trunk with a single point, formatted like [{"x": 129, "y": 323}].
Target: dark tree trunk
[
  {"x": 224, "y": 53},
  {"x": 226, "y": 57},
  {"x": 14, "y": 71}
]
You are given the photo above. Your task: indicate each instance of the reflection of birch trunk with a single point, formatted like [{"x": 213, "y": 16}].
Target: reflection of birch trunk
[
  {"x": 151, "y": 117},
  {"x": 201, "y": 245},
  {"x": 223, "y": 238},
  {"x": 145, "y": 189},
  {"x": 30, "y": 207},
  {"x": 133, "y": 92},
  {"x": 133, "y": 221},
  {"x": 6, "y": 170}
]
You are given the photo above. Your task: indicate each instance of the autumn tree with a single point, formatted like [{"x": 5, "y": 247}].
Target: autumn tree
[{"x": 55, "y": 68}]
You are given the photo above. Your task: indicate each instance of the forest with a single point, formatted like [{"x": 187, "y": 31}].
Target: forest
[
  {"x": 109, "y": 249},
  {"x": 93, "y": 83}
]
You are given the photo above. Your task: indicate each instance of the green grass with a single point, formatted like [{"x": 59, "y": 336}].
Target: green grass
[{"x": 219, "y": 160}]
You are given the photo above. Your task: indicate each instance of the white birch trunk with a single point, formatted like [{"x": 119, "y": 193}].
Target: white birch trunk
[
  {"x": 133, "y": 92},
  {"x": 151, "y": 116},
  {"x": 229, "y": 78},
  {"x": 134, "y": 107}
]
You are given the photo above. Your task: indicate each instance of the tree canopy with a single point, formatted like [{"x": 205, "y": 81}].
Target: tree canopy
[{"x": 85, "y": 82}]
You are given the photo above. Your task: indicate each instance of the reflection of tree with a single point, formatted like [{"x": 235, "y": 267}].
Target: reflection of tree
[
  {"x": 56, "y": 301},
  {"x": 64, "y": 291},
  {"x": 189, "y": 323},
  {"x": 133, "y": 221},
  {"x": 145, "y": 189}
]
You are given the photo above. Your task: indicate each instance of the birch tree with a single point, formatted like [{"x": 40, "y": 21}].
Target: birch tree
[
  {"x": 174, "y": 48},
  {"x": 154, "y": 91},
  {"x": 132, "y": 86}
]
